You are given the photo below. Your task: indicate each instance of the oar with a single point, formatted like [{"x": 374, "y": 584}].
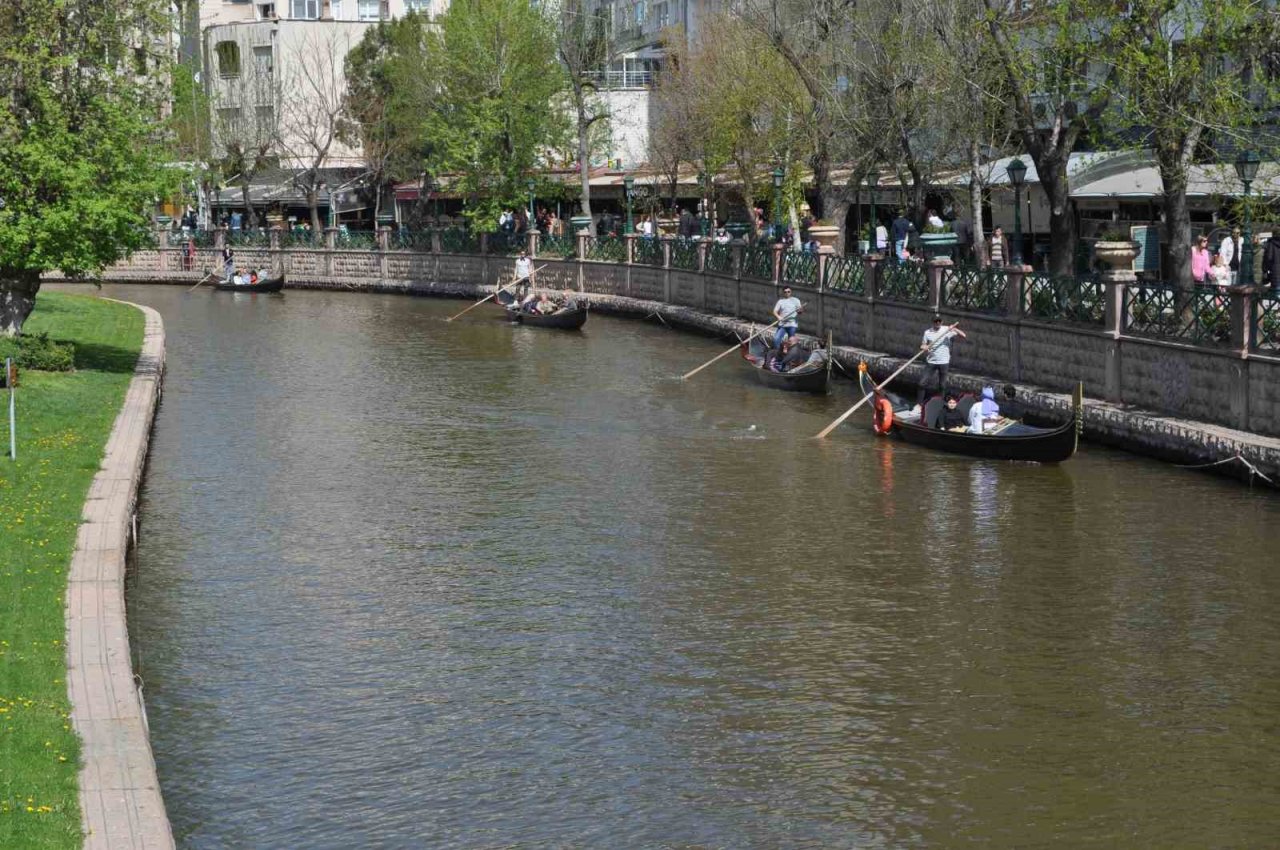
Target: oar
[
  {"x": 880, "y": 386},
  {"x": 207, "y": 275},
  {"x": 496, "y": 291},
  {"x": 689, "y": 375}
]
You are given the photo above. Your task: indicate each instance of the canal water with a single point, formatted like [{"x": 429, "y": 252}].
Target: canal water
[{"x": 409, "y": 583}]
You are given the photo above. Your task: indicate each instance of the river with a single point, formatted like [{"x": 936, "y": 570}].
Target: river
[{"x": 408, "y": 583}]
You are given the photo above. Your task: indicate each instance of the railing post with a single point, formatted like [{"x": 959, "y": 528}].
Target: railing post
[
  {"x": 702, "y": 255},
  {"x": 1015, "y": 298},
  {"x": 330, "y": 243},
  {"x": 871, "y": 265},
  {"x": 825, "y": 253},
  {"x": 384, "y": 245},
  {"x": 778, "y": 248},
  {"x": 581, "y": 243},
  {"x": 1242, "y": 306},
  {"x": 436, "y": 242},
  {"x": 1117, "y": 282},
  {"x": 936, "y": 282},
  {"x": 629, "y": 239},
  {"x": 273, "y": 248},
  {"x": 665, "y": 241},
  {"x": 532, "y": 247},
  {"x": 484, "y": 244},
  {"x": 737, "y": 247},
  {"x": 220, "y": 236}
]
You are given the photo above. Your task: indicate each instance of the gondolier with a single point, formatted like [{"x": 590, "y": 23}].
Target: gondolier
[
  {"x": 785, "y": 311},
  {"x": 228, "y": 262},
  {"x": 937, "y": 342}
]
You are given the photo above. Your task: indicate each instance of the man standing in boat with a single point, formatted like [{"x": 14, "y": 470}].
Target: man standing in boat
[
  {"x": 937, "y": 341},
  {"x": 524, "y": 278},
  {"x": 785, "y": 311}
]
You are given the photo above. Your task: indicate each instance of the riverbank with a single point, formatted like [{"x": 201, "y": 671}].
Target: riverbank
[{"x": 67, "y": 424}]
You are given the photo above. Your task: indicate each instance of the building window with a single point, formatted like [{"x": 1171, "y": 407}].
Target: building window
[
  {"x": 266, "y": 118},
  {"x": 422, "y": 7},
  {"x": 228, "y": 58},
  {"x": 266, "y": 11},
  {"x": 370, "y": 10},
  {"x": 262, "y": 65},
  {"x": 229, "y": 119},
  {"x": 660, "y": 15},
  {"x": 640, "y": 13},
  {"x": 307, "y": 10}
]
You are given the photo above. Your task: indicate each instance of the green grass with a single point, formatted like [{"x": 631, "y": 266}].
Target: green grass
[{"x": 64, "y": 420}]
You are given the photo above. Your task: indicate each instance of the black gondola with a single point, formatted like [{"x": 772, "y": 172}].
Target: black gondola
[
  {"x": 569, "y": 318},
  {"x": 1014, "y": 441},
  {"x": 809, "y": 378},
  {"x": 270, "y": 284}
]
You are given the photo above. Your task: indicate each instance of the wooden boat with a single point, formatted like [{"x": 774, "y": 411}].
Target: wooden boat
[
  {"x": 270, "y": 284},
  {"x": 569, "y": 318},
  {"x": 1012, "y": 441},
  {"x": 809, "y": 378}
]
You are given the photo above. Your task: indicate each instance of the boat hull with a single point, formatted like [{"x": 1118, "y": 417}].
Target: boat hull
[
  {"x": 271, "y": 284},
  {"x": 813, "y": 379}
]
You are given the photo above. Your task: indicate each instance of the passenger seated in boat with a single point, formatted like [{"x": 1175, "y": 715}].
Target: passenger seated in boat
[
  {"x": 790, "y": 356},
  {"x": 984, "y": 413},
  {"x": 953, "y": 418},
  {"x": 253, "y": 277},
  {"x": 238, "y": 278},
  {"x": 1010, "y": 407},
  {"x": 546, "y": 306}
]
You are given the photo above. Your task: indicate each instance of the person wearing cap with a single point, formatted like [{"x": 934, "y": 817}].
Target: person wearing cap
[
  {"x": 785, "y": 311},
  {"x": 937, "y": 341}
]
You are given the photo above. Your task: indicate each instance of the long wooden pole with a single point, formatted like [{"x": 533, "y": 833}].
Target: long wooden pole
[
  {"x": 496, "y": 291},
  {"x": 843, "y": 416},
  {"x": 689, "y": 375},
  {"x": 207, "y": 275}
]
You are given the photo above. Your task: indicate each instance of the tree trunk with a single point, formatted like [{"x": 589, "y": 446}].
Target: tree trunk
[
  {"x": 584, "y": 157},
  {"x": 313, "y": 202},
  {"x": 839, "y": 210},
  {"x": 978, "y": 235},
  {"x": 1052, "y": 170},
  {"x": 244, "y": 195},
  {"x": 17, "y": 298},
  {"x": 1177, "y": 225}
]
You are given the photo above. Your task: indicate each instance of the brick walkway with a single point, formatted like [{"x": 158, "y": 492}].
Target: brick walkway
[{"x": 120, "y": 801}]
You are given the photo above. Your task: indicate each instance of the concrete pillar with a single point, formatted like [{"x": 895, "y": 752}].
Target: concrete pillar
[
  {"x": 435, "y": 240},
  {"x": 384, "y": 245},
  {"x": 825, "y": 253},
  {"x": 484, "y": 244},
  {"x": 1116, "y": 281},
  {"x": 220, "y": 236},
  {"x": 702, "y": 259},
  {"x": 1241, "y": 313},
  {"x": 1013, "y": 306},
  {"x": 871, "y": 265},
  {"x": 533, "y": 237},
  {"x": 629, "y": 240},
  {"x": 273, "y": 247},
  {"x": 937, "y": 285},
  {"x": 665, "y": 241},
  {"x": 778, "y": 248},
  {"x": 162, "y": 237},
  {"x": 582, "y": 237},
  {"x": 330, "y": 242}
]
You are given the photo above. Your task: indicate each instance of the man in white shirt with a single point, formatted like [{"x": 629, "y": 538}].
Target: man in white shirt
[
  {"x": 785, "y": 311},
  {"x": 937, "y": 341},
  {"x": 1229, "y": 253}
]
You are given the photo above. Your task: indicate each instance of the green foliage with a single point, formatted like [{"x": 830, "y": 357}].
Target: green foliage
[
  {"x": 37, "y": 351},
  {"x": 494, "y": 114},
  {"x": 78, "y": 148},
  {"x": 63, "y": 425}
]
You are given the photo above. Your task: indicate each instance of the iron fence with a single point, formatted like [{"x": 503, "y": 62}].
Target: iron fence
[
  {"x": 684, "y": 254},
  {"x": 411, "y": 240},
  {"x": 202, "y": 238},
  {"x": 904, "y": 282},
  {"x": 845, "y": 274},
  {"x": 800, "y": 267},
  {"x": 459, "y": 240},
  {"x": 757, "y": 262},
  {"x": 648, "y": 251},
  {"x": 565, "y": 247},
  {"x": 973, "y": 289},
  {"x": 355, "y": 240},
  {"x": 719, "y": 258},
  {"x": 1266, "y": 323},
  {"x": 1161, "y": 311},
  {"x": 508, "y": 243},
  {"x": 248, "y": 238},
  {"x": 607, "y": 249},
  {"x": 1077, "y": 300}
]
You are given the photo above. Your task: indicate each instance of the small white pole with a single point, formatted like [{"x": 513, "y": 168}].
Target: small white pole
[{"x": 13, "y": 416}]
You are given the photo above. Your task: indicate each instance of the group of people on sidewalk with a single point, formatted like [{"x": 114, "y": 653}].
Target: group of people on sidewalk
[{"x": 1221, "y": 268}]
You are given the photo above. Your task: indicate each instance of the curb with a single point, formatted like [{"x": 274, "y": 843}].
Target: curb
[{"x": 120, "y": 802}]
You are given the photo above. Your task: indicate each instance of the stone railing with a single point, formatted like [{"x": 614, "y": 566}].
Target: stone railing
[{"x": 1214, "y": 357}]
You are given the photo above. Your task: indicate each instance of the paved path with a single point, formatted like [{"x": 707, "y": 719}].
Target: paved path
[{"x": 120, "y": 801}]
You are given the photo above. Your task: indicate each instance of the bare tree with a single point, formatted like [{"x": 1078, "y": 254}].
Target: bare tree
[
  {"x": 312, "y": 101},
  {"x": 244, "y": 126},
  {"x": 584, "y": 49}
]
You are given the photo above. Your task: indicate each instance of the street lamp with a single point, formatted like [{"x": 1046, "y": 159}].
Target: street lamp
[
  {"x": 531, "y": 184},
  {"x": 1017, "y": 171},
  {"x": 1246, "y": 169},
  {"x": 628, "y": 184},
  {"x": 873, "y": 180},
  {"x": 778, "y": 174},
  {"x": 704, "y": 180}
]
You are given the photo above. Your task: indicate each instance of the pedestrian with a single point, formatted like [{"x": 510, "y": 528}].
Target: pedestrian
[
  {"x": 188, "y": 254},
  {"x": 688, "y": 225},
  {"x": 998, "y": 253},
  {"x": 900, "y": 229},
  {"x": 1271, "y": 263},
  {"x": 964, "y": 239},
  {"x": 785, "y": 311},
  {"x": 1200, "y": 259},
  {"x": 237, "y": 221},
  {"x": 228, "y": 262},
  {"x": 937, "y": 342},
  {"x": 1230, "y": 249},
  {"x": 882, "y": 238}
]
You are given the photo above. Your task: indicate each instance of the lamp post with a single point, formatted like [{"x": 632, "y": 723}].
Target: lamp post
[
  {"x": 1246, "y": 170},
  {"x": 778, "y": 174},
  {"x": 628, "y": 184},
  {"x": 873, "y": 180},
  {"x": 1017, "y": 171},
  {"x": 531, "y": 184}
]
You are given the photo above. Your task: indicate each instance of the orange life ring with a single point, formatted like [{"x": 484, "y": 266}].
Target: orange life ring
[{"x": 882, "y": 416}]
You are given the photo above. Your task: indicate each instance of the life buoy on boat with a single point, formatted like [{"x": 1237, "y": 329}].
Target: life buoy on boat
[{"x": 882, "y": 416}]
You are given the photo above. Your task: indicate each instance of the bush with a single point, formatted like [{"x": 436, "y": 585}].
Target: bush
[{"x": 37, "y": 351}]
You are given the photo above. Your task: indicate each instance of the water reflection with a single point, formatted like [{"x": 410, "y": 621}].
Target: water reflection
[{"x": 406, "y": 583}]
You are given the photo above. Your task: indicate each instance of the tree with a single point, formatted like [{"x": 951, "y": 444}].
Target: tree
[
  {"x": 495, "y": 115},
  {"x": 312, "y": 104},
  {"x": 79, "y": 159},
  {"x": 584, "y": 49},
  {"x": 1057, "y": 60},
  {"x": 1186, "y": 73},
  {"x": 244, "y": 132}
]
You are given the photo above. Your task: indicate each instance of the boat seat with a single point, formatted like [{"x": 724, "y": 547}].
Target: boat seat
[
  {"x": 964, "y": 404},
  {"x": 932, "y": 412}
]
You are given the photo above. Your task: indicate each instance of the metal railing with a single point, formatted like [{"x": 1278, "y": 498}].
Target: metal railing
[
  {"x": 558, "y": 246},
  {"x": 974, "y": 289},
  {"x": 507, "y": 242},
  {"x": 845, "y": 274},
  {"x": 684, "y": 254},
  {"x": 1161, "y": 311},
  {"x": 904, "y": 282},
  {"x": 256, "y": 238},
  {"x": 411, "y": 240},
  {"x": 355, "y": 240},
  {"x": 757, "y": 261},
  {"x": 607, "y": 249},
  {"x": 648, "y": 251},
  {"x": 1075, "y": 300},
  {"x": 1266, "y": 323},
  {"x": 719, "y": 258},
  {"x": 459, "y": 240},
  {"x": 800, "y": 268}
]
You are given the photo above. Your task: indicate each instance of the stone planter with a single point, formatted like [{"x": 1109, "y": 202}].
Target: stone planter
[
  {"x": 825, "y": 234},
  {"x": 580, "y": 223},
  {"x": 937, "y": 245},
  {"x": 1118, "y": 256},
  {"x": 738, "y": 229}
]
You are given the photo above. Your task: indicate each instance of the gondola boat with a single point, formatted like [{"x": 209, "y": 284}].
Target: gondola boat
[
  {"x": 270, "y": 284},
  {"x": 809, "y": 378},
  {"x": 1011, "y": 441},
  {"x": 566, "y": 318}
]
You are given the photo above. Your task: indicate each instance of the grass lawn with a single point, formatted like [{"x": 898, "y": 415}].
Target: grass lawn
[{"x": 64, "y": 420}]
